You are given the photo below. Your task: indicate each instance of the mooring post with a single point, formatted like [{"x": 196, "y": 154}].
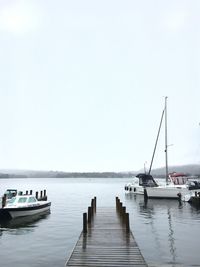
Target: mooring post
[
  {"x": 26, "y": 192},
  {"x": 31, "y": 192},
  {"x": 89, "y": 214},
  {"x": 92, "y": 206},
  {"x": 117, "y": 203},
  {"x": 41, "y": 193},
  {"x": 127, "y": 222},
  {"x": 4, "y": 200},
  {"x": 85, "y": 222},
  {"x": 123, "y": 213},
  {"x": 36, "y": 195},
  {"x": 145, "y": 194},
  {"x": 124, "y": 210},
  {"x": 45, "y": 192},
  {"x": 120, "y": 207},
  {"x": 116, "y": 198},
  {"x": 95, "y": 204}
]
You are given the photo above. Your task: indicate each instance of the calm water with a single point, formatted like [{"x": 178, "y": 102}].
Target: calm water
[{"x": 166, "y": 232}]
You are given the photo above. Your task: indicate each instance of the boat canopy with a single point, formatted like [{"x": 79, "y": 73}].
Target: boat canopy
[{"x": 146, "y": 180}]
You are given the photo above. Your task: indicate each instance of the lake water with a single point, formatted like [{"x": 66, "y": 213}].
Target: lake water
[{"x": 167, "y": 232}]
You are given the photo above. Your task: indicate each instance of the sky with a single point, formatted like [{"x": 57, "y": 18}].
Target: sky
[{"x": 83, "y": 83}]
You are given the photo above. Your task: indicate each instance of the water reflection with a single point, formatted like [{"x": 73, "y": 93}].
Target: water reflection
[
  {"x": 171, "y": 237},
  {"x": 22, "y": 225},
  {"x": 153, "y": 209}
]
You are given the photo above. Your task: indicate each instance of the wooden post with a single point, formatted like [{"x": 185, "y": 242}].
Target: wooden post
[
  {"x": 89, "y": 214},
  {"x": 117, "y": 202},
  {"x": 127, "y": 222},
  {"x": 116, "y": 198},
  {"x": 123, "y": 213},
  {"x": 26, "y": 192},
  {"x": 85, "y": 222},
  {"x": 45, "y": 192},
  {"x": 124, "y": 209},
  {"x": 145, "y": 194},
  {"x": 31, "y": 192},
  {"x": 4, "y": 200},
  {"x": 92, "y": 206},
  {"x": 36, "y": 194},
  {"x": 95, "y": 204},
  {"x": 120, "y": 207},
  {"x": 41, "y": 194}
]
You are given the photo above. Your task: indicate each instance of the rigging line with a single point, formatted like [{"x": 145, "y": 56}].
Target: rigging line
[{"x": 156, "y": 141}]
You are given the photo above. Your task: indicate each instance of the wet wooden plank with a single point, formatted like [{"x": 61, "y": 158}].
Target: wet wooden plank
[{"x": 106, "y": 244}]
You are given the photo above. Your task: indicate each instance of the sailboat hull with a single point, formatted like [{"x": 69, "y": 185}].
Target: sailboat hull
[{"x": 170, "y": 192}]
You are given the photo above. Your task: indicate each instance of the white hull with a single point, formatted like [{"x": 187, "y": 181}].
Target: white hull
[
  {"x": 17, "y": 213},
  {"x": 134, "y": 189},
  {"x": 172, "y": 192}
]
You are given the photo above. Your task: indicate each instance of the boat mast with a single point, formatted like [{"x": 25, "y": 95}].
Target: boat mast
[{"x": 166, "y": 155}]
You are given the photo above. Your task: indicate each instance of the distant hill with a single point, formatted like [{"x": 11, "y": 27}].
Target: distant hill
[
  {"x": 192, "y": 170},
  {"x": 60, "y": 174}
]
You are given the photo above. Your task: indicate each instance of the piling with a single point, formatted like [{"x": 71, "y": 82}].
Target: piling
[
  {"x": 85, "y": 222},
  {"x": 89, "y": 214},
  {"x": 4, "y": 200},
  {"x": 127, "y": 222}
]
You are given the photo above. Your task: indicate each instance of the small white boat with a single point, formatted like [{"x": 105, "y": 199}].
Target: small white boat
[{"x": 24, "y": 205}]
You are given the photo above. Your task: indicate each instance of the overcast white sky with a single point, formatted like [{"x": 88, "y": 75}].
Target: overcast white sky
[{"x": 82, "y": 83}]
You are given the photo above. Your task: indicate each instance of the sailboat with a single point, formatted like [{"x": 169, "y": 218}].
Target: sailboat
[{"x": 169, "y": 189}]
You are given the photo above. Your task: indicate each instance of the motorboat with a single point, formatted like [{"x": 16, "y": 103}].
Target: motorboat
[
  {"x": 24, "y": 205},
  {"x": 139, "y": 182}
]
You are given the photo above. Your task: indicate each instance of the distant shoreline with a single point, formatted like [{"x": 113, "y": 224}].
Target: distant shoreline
[
  {"x": 189, "y": 170},
  {"x": 67, "y": 175}
]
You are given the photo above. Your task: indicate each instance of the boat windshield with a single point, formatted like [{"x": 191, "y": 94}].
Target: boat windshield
[
  {"x": 12, "y": 200},
  {"x": 32, "y": 199},
  {"x": 11, "y": 193},
  {"x": 22, "y": 200}
]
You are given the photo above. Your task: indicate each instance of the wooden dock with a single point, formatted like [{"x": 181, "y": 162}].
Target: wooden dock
[{"x": 106, "y": 240}]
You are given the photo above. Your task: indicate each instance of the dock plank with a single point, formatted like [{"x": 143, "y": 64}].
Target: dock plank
[{"x": 106, "y": 244}]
